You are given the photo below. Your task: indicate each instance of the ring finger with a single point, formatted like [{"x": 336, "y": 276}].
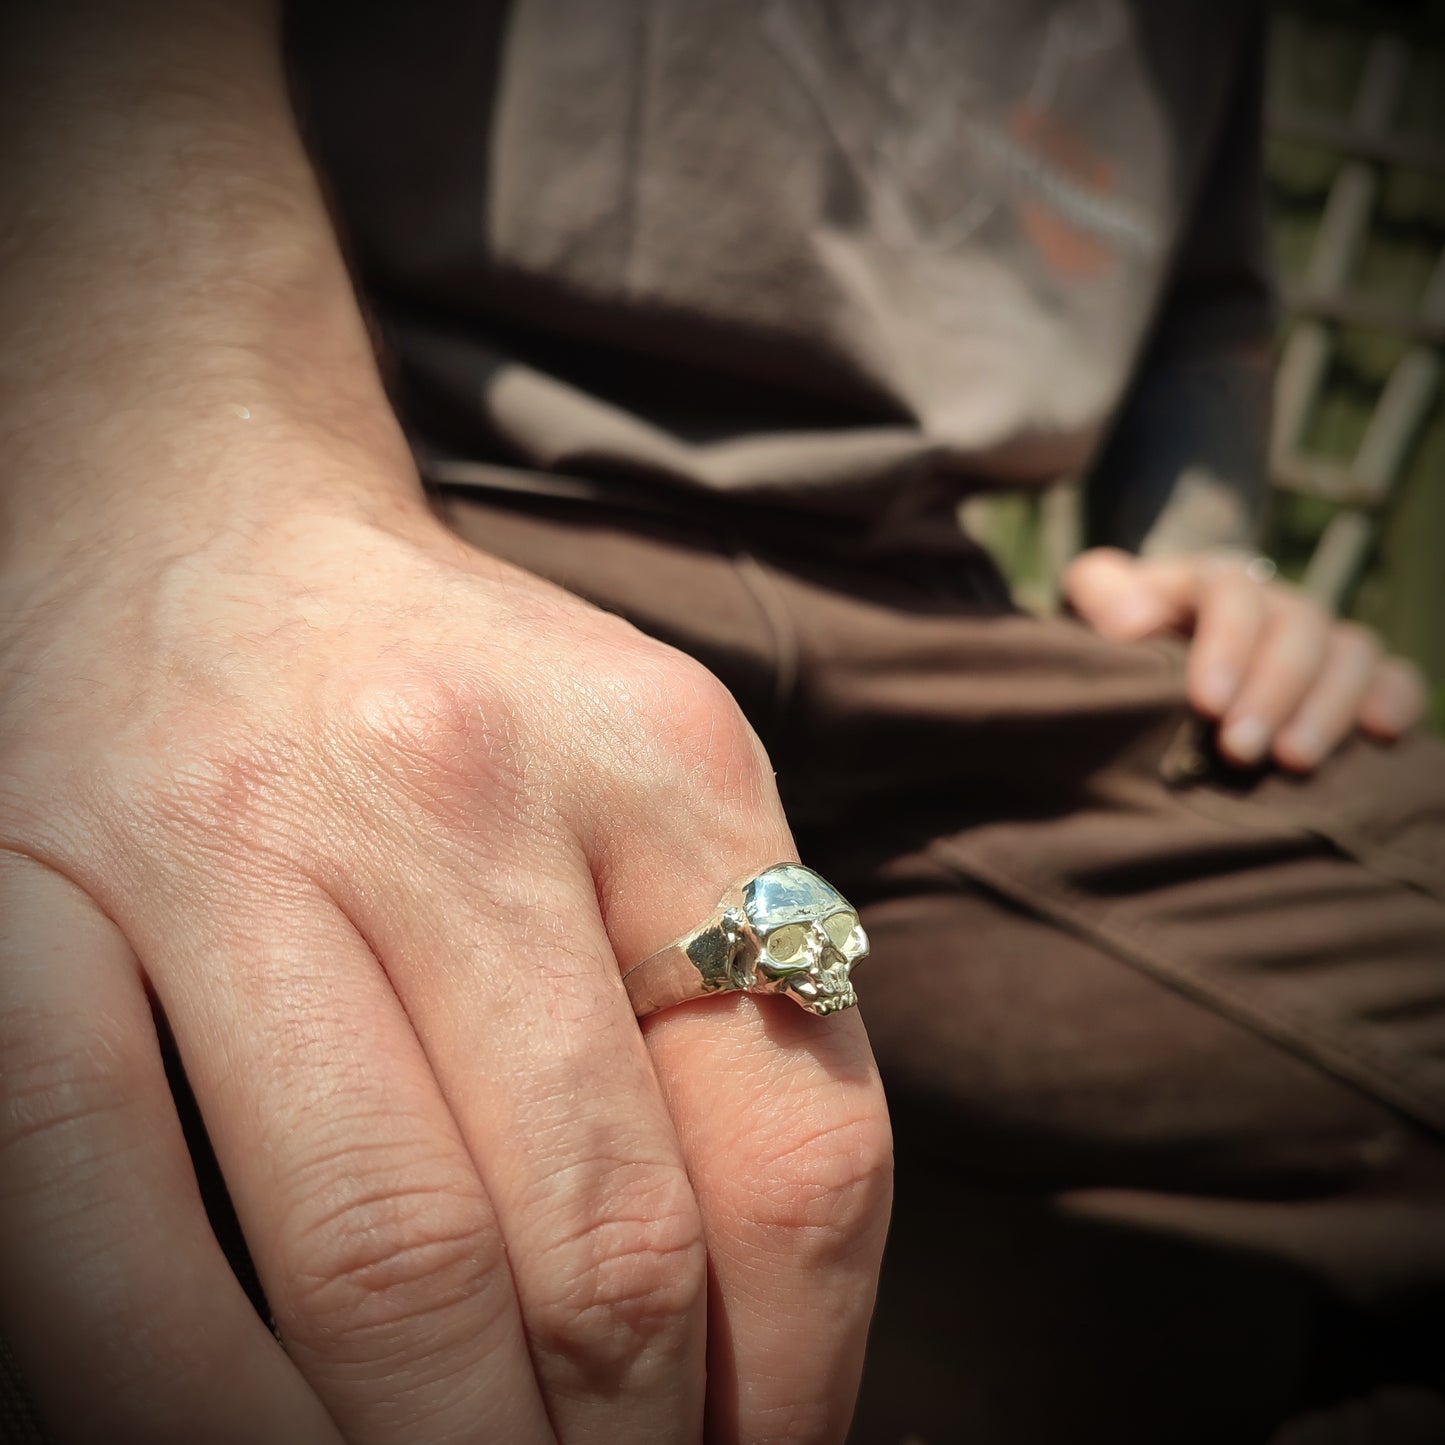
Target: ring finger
[
  {"x": 510, "y": 980},
  {"x": 1327, "y": 715}
]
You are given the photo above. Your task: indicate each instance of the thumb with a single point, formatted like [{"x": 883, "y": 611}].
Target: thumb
[{"x": 1117, "y": 595}]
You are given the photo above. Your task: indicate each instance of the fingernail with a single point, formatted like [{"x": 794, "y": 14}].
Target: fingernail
[
  {"x": 1246, "y": 739},
  {"x": 1393, "y": 718},
  {"x": 1217, "y": 687},
  {"x": 1304, "y": 744}
]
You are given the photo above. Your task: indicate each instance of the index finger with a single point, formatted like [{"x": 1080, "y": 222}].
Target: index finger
[{"x": 1231, "y": 623}]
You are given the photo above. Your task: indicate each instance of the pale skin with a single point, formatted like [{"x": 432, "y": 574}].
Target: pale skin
[{"x": 376, "y": 820}]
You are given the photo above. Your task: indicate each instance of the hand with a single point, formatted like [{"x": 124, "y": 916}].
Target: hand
[
  {"x": 1282, "y": 676},
  {"x": 373, "y": 818}
]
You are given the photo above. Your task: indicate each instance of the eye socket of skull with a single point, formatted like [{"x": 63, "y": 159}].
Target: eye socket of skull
[
  {"x": 839, "y": 928},
  {"x": 786, "y": 943}
]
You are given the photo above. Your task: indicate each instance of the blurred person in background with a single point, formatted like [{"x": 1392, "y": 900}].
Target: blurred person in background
[{"x": 364, "y": 734}]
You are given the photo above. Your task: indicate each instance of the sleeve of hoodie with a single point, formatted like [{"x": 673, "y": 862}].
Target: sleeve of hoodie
[{"x": 1184, "y": 466}]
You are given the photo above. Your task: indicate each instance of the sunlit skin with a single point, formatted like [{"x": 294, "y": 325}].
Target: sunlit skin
[{"x": 376, "y": 820}]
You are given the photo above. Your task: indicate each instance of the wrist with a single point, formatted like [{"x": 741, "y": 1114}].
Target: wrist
[
  {"x": 147, "y": 487},
  {"x": 182, "y": 343}
]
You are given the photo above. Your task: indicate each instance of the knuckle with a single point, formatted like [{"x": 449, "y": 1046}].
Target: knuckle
[
  {"x": 1216, "y": 580},
  {"x": 623, "y": 1279},
  {"x": 1237, "y": 596},
  {"x": 443, "y": 737},
  {"x": 1226, "y": 617},
  {"x": 1355, "y": 639},
  {"x": 375, "y": 1263},
  {"x": 1088, "y": 566},
  {"x": 1355, "y": 634},
  {"x": 828, "y": 1188},
  {"x": 414, "y": 710},
  {"x": 674, "y": 724},
  {"x": 61, "y": 1075},
  {"x": 218, "y": 789},
  {"x": 428, "y": 715},
  {"x": 709, "y": 737},
  {"x": 1307, "y": 614}
]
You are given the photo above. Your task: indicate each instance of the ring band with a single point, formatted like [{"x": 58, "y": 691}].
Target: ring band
[
  {"x": 784, "y": 931},
  {"x": 1255, "y": 565}
]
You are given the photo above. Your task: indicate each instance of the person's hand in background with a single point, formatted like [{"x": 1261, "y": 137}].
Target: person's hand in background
[{"x": 1281, "y": 676}]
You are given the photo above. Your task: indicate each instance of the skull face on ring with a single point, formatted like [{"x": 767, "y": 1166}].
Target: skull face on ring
[{"x": 808, "y": 938}]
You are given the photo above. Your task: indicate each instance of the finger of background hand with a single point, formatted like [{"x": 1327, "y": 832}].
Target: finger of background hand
[
  {"x": 370, "y": 1230},
  {"x": 1395, "y": 701},
  {"x": 1285, "y": 665},
  {"x": 781, "y": 1114},
  {"x": 1119, "y": 598},
  {"x": 114, "y": 1293},
  {"x": 1228, "y": 630},
  {"x": 1328, "y": 712}
]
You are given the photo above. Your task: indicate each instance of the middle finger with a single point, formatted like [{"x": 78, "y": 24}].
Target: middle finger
[
  {"x": 506, "y": 971},
  {"x": 374, "y": 1239},
  {"x": 1227, "y": 632},
  {"x": 1284, "y": 667}
]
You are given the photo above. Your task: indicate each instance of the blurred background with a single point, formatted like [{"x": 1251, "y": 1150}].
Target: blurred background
[{"x": 1356, "y": 158}]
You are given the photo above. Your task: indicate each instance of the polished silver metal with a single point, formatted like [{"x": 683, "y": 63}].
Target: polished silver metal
[
  {"x": 1255, "y": 565},
  {"x": 785, "y": 931}
]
